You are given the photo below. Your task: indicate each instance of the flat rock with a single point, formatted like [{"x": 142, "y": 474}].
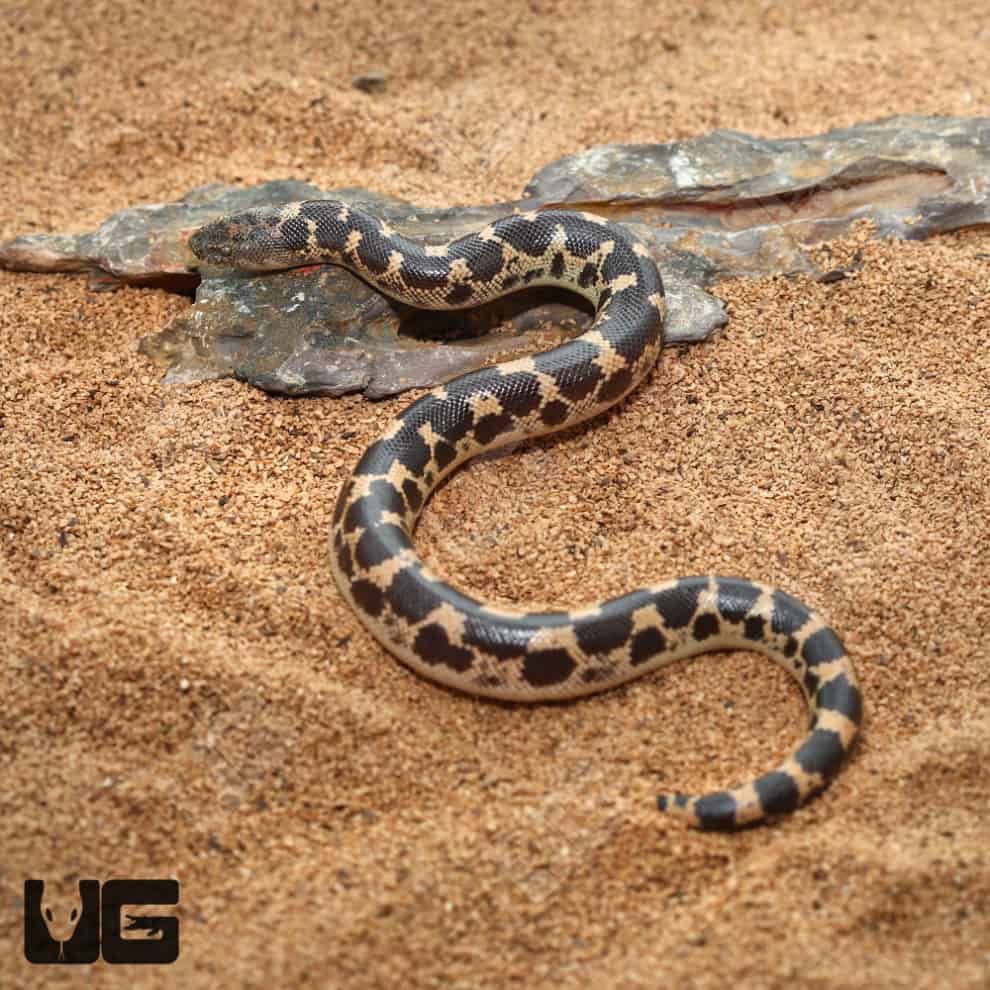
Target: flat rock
[
  {"x": 723, "y": 205},
  {"x": 751, "y": 206},
  {"x": 322, "y": 331}
]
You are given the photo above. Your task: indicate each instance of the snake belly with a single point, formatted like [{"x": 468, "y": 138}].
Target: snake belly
[{"x": 518, "y": 655}]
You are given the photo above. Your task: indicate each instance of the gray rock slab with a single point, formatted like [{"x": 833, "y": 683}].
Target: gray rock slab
[
  {"x": 751, "y": 206},
  {"x": 723, "y": 205},
  {"x": 322, "y": 331}
]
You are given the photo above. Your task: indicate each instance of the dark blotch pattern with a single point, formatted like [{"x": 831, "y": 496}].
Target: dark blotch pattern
[
  {"x": 413, "y": 495},
  {"x": 406, "y": 447},
  {"x": 577, "y": 388},
  {"x": 295, "y": 233},
  {"x": 459, "y": 294},
  {"x": 618, "y": 262},
  {"x": 530, "y": 237},
  {"x": 411, "y": 597},
  {"x": 704, "y": 626},
  {"x": 582, "y": 242},
  {"x": 500, "y": 641},
  {"x": 490, "y": 426},
  {"x": 578, "y": 376},
  {"x": 646, "y": 644},
  {"x": 821, "y": 753},
  {"x": 424, "y": 273},
  {"x": 841, "y": 696},
  {"x": 484, "y": 258},
  {"x": 822, "y": 647},
  {"x": 520, "y": 393},
  {"x": 754, "y": 628},
  {"x": 716, "y": 812},
  {"x": 603, "y": 633},
  {"x": 433, "y": 646},
  {"x": 379, "y": 544},
  {"x": 368, "y": 597},
  {"x": 331, "y": 232},
  {"x": 548, "y": 667},
  {"x": 736, "y": 598},
  {"x": 789, "y": 615},
  {"x": 588, "y": 275},
  {"x": 554, "y": 413},
  {"x": 616, "y": 385},
  {"x": 778, "y": 793},
  {"x": 373, "y": 252},
  {"x": 367, "y": 511},
  {"x": 451, "y": 418},
  {"x": 444, "y": 454},
  {"x": 678, "y": 604}
]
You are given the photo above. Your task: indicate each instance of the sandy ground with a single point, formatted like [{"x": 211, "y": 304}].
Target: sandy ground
[{"x": 184, "y": 693}]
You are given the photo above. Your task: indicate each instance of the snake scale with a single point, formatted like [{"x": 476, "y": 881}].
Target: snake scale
[{"x": 534, "y": 656}]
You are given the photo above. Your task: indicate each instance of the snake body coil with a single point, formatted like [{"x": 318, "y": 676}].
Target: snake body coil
[{"x": 520, "y": 655}]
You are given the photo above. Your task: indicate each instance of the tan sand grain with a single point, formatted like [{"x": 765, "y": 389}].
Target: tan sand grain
[{"x": 185, "y": 694}]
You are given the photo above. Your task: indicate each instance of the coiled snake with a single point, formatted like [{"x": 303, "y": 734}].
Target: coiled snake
[{"x": 540, "y": 655}]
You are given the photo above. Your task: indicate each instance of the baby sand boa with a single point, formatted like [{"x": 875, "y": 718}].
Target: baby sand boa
[{"x": 534, "y": 656}]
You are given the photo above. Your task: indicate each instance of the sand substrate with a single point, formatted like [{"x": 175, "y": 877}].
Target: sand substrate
[{"x": 185, "y": 694}]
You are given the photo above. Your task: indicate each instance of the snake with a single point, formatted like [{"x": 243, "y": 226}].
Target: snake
[{"x": 542, "y": 654}]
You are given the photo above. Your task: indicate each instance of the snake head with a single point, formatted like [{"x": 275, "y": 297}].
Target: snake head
[
  {"x": 60, "y": 919},
  {"x": 251, "y": 241}
]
